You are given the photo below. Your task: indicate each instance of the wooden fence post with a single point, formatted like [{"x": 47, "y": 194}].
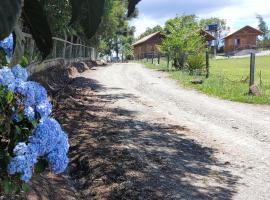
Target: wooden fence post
[
  {"x": 207, "y": 64},
  {"x": 152, "y": 57},
  {"x": 158, "y": 58},
  {"x": 70, "y": 51},
  {"x": 168, "y": 61},
  {"x": 252, "y": 70}
]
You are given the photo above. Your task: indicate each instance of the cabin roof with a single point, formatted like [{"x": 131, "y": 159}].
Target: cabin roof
[
  {"x": 207, "y": 35},
  {"x": 144, "y": 39},
  {"x": 246, "y": 27}
]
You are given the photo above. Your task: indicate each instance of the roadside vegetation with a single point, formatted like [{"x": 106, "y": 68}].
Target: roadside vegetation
[
  {"x": 184, "y": 53},
  {"x": 228, "y": 78}
]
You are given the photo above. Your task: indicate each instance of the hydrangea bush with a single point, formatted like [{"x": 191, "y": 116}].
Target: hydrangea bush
[{"x": 30, "y": 140}]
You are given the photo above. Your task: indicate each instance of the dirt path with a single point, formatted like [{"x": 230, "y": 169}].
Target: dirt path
[
  {"x": 135, "y": 134},
  {"x": 191, "y": 146}
]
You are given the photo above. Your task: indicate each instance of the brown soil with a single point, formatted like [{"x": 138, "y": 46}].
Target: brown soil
[{"x": 115, "y": 155}]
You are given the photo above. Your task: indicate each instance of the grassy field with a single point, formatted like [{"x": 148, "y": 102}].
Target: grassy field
[{"x": 227, "y": 79}]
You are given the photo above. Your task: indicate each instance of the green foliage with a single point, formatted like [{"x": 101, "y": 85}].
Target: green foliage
[
  {"x": 114, "y": 32},
  {"x": 150, "y": 31},
  {"x": 59, "y": 13},
  {"x": 3, "y": 60},
  {"x": 131, "y": 6},
  {"x": 227, "y": 79},
  {"x": 35, "y": 18},
  {"x": 263, "y": 27},
  {"x": 24, "y": 61},
  {"x": 182, "y": 37},
  {"x": 10, "y": 12},
  {"x": 88, "y": 13},
  {"x": 222, "y": 27},
  {"x": 195, "y": 62},
  {"x": 11, "y": 133}
]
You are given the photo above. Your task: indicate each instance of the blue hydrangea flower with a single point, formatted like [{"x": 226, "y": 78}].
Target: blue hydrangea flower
[
  {"x": 20, "y": 149},
  {"x": 46, "y": 135},
  {"x": 48, "y": 140},
  {"x": 19, "y": 72},
  {"x": 29, "y": 112},
  {"x": 44, "y": 109},
  {"x": 33, "y": 92},
  {"x": 58, "y": 160},
  {"x": 7, "y": 78},
  {"x": 7, "y": 45},
  {"x": 22, "y": 164}
]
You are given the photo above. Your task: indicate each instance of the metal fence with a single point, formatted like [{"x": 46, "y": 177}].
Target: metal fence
[{"x": 62, "y": 49}]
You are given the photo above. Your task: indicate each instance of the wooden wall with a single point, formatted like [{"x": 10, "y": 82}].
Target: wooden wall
[
  {"x": 248, "y": 40},
  {"x": 147, "y": 47}
]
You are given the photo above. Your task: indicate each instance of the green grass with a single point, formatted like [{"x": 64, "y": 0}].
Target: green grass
[{"x": 225, "y": 79}]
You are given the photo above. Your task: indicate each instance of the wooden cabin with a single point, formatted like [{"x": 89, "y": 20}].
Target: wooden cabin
[
  {"x": 244, "y": 38},
  {"x": 147, "y": 46}
]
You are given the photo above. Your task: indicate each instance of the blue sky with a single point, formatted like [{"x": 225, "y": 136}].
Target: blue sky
[{"x": 237, "y": 13}]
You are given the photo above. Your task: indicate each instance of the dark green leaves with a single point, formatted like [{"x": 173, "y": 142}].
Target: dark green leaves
[
  {"x": 35, "y": 18},
  {"x": 88, "y": 14},
  {"x": 131, "y": 6},
  {"x": 10, "y": 11}
]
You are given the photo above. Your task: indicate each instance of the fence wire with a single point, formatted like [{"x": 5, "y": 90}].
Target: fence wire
[{"x": 62, "y": 49}]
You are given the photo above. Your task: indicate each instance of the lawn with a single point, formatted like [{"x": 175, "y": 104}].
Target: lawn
[{"x": 227, "y": 79}]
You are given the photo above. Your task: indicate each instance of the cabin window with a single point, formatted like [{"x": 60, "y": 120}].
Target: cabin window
[{"x": 237, "y": 42}]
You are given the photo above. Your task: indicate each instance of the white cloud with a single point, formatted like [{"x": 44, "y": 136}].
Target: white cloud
[
  {"x": 237, "y": 13},
  {"x": 144, "y": 21}
]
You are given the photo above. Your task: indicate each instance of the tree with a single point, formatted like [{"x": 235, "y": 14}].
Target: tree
[
  {"x": 150, "y": 31},
  {"x": 114, "y": 28},
  {"x": 86, "y": 14},
  {"x": 222, "y": 27},
  {"x": 182, "y": 37},
  {"x": 263, "y": 27}
]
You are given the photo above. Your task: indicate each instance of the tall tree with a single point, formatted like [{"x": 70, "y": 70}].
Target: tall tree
[
  {"x": 263, "y": 27},
  {"x": 149, "y": 31},
  {"x": 182, "y": 38}
]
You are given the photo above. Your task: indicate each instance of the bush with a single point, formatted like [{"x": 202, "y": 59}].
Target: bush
[
  {"x": 30, "y": 140},
  {"x": 195, "y": 62}
]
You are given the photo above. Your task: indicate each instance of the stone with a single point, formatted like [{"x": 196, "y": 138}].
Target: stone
[
  {"x": 254, "y": 90},
  {"x": 197, "y": 82}
]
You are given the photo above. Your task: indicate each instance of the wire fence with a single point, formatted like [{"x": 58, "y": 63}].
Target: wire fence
[
  {"x": 64, "y": 52},
  {"x": 62, "y": 49},
  {"x": 200, "y": 67}
]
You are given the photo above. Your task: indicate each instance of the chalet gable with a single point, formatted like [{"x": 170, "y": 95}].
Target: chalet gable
[{"x": 247, "y": 30}]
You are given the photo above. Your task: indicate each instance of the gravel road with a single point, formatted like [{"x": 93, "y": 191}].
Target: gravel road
[{"x": 237, "y": 133}]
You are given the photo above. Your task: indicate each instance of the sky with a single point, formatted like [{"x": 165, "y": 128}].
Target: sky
[{"x": 237, "y": 13}]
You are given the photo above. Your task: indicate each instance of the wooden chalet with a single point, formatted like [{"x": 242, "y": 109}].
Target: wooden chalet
[
  {"x": 244, "y": 38},
  {"x": 147, "y": 45}
]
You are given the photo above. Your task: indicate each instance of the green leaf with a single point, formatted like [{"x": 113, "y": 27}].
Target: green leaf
[
  {"x": 88, "y": 14},
  {"x": 131, "y": 6},
  {"x": 35, "y": 18},
  {"x": 10, "y": 11},
  {"x": 40, "y": 166},
  {"x": 7, "y": 185},
  {"x": 25, "y": 187},
  {"x": 9, "y": 97}
]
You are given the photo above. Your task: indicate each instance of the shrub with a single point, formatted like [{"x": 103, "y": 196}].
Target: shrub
[
  {"x": 195, "y": 62},
  {"x": 30, "y": 140}
]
